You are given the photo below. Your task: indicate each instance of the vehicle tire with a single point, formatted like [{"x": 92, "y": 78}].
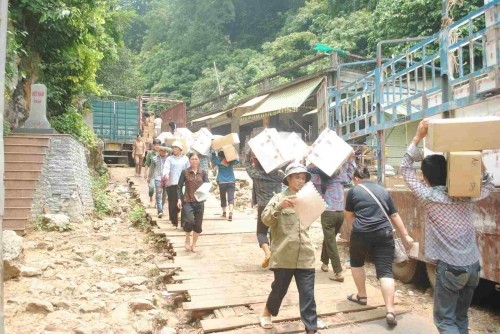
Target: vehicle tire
[
  {"x": 431, "y": 274},
  {"x": 406, "y": 271}
]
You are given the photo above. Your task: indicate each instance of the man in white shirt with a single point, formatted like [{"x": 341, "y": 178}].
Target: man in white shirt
[{"x": 157, "y": 122}]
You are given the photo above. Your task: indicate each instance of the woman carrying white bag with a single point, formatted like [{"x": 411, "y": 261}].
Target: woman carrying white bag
[{"x": 191, "y": 202}]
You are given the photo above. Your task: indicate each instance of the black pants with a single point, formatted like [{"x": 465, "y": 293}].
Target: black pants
[
  {"x": 262, "y": 230},
  {"x": 192, "y": 216},
  {"x": 227, "y": 193},
  {"x": 173, "y": 210},
  {"x": 304, "y": 278}
]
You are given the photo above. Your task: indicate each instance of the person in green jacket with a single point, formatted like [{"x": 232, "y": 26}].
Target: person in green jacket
[
  {"x": 149, "y": 158},
  {"x": 292, "y": 252}
]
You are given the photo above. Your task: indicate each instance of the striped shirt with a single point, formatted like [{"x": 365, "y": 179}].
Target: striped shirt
[
  {"x": 334, "y": 194},
  {"x": 174, "y": 167},
  {"x": 450, "y": 235},
  {"x": 157, "y": 164}
]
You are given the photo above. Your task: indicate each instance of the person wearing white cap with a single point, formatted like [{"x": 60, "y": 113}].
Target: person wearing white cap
[
  {"x": 292, "y": 252},
  {"x": 172, "y": 170}
]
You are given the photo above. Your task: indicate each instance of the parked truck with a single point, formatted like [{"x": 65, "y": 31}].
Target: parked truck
[{"x": 118, "y": 123}]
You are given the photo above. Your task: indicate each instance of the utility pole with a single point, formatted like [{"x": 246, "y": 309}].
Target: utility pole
[{"x": 3, "y": 55}]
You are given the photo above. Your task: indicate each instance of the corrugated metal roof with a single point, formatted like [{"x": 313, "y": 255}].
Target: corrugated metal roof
[{"x": 287, "y": 100}]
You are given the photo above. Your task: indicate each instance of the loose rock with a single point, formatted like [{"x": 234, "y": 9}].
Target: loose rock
[
  {"x": 141, "y": 305},
  {"x": 39, "y": 306},
  {"x": 131, "y": 281}
]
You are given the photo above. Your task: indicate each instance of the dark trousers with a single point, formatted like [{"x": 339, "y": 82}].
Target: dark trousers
[
  {"x": 227, "y": 193},
  {"x": 262, "y": 230},
  {"x": 331, "y": 221},
  {"x": 192, "y": 216},
  {"x": 173, "y": 210},
  {"x": 304, "y": 278}
]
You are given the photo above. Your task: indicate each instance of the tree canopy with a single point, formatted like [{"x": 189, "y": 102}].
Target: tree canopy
[{"x": 84, "y": 48}]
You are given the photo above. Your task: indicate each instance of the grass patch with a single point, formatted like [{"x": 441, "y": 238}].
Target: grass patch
[
  {"x": 102, "y": 201},
  {"x": 137, "y": 217}
]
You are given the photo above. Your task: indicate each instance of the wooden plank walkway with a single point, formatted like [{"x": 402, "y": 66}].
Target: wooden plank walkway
[{"x": 225, "y": 277}]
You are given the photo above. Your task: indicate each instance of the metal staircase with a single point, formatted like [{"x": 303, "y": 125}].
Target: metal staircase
[{"x": 452, "y": 69}]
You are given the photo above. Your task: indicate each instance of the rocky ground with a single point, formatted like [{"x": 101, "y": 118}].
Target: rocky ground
[{"x": 100, "y": 277}]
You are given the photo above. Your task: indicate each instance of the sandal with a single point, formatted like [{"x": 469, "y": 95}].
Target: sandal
[
  {"x": 230, "y": 217},
  {"x": 359, "y": 300},
  {"x": 324, "y": 267},
  {"x": 265, "y": 322},
  {"x": 390, "y": 318}
]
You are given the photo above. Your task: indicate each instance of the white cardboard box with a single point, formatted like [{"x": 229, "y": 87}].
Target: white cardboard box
[
  {"x": 329, "y": 152},
  {"x": 202, "y": 142},
  {"x": 270, "y": 150},
  {"x": 298, "y": 149},
  {"x": 229, "y": 139}
]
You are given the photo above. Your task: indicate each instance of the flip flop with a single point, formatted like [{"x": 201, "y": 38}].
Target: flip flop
[
  {"x": 265, "y": 322},
  {"x": 357, "y": 299}
]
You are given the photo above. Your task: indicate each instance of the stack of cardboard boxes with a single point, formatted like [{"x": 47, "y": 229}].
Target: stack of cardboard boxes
[
  {"x": 462, "y": 140},
  {"x": 226, "y": 144},
  {"x": 148, "y": 129}
]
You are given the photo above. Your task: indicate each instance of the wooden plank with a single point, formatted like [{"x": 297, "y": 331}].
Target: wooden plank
[
  {"x": 217, "y": 302},
  {"x": 246, "y": 290},
  {"x": 227, "y": 312},
  {"x": 241, "y": 310},
  {"x": 333, "y": 323},
  {"x": 179, "y": 232},
  {"x": 289, "y": 314}
]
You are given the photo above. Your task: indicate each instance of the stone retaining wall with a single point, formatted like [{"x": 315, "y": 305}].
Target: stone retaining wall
[{"x": 65, "y": 185}]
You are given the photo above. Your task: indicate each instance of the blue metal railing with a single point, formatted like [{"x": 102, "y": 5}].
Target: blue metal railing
[{"x": 445, "y": 71}]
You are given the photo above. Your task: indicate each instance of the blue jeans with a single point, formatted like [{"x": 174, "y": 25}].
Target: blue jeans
[
  {"x": 304, "y": 278},
  {"x": 452, "y": 296},
  {"x": 161, "y": 196}
]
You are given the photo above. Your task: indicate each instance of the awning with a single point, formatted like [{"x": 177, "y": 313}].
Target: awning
[
  {"x": 253, "y": 102},
  {"x": 204, "y": 118},
  {"x": 312, "y": 112},
  {"x": 287, "y": 100}
]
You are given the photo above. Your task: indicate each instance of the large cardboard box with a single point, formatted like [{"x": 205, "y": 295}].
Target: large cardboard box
[
  {"x": 464, "y": 174},
  {"x": 229, "y": 139},
  {"x": 463, "y": 134},
  {"x": 270, "y": 150},
  {"x": 230, "y": 153},
  {"x": 298, "y": 149},
  {"x": 202, "y": 142},
  {"x": 329, "y": 152}
]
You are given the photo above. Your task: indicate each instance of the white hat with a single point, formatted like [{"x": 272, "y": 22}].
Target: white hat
[
  {"x": 178, "y": 144},
  {"x": 295, "y": 168}
]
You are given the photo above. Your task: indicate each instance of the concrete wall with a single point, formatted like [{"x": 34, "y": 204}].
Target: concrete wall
[{"x": 65, "y": 185}]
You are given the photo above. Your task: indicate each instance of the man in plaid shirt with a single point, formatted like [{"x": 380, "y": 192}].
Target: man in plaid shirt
[{"x": 450, "y": 235}]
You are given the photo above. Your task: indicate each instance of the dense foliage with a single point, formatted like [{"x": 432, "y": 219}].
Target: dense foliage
[{"x": 81, "y": 48}]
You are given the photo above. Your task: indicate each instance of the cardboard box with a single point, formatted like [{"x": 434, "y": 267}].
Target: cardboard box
[
  {"x": 463, "y": 134},
  {"x": 298, "y": 149},
  {"x": 230, "y": 153},
  {"x": 329, "y": 152},
  {"x": 269, "y": 149},
  {"x": 229, "y": 139},
  {"x": 202, "y": 142},
  {"x": 464, "y": 174}
]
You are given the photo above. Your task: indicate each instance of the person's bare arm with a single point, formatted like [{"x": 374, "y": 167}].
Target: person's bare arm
[{"x": 349, "y": 217}]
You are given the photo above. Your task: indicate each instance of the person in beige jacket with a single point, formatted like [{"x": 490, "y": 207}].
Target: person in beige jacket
[{"x": 292, "y": 252}]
